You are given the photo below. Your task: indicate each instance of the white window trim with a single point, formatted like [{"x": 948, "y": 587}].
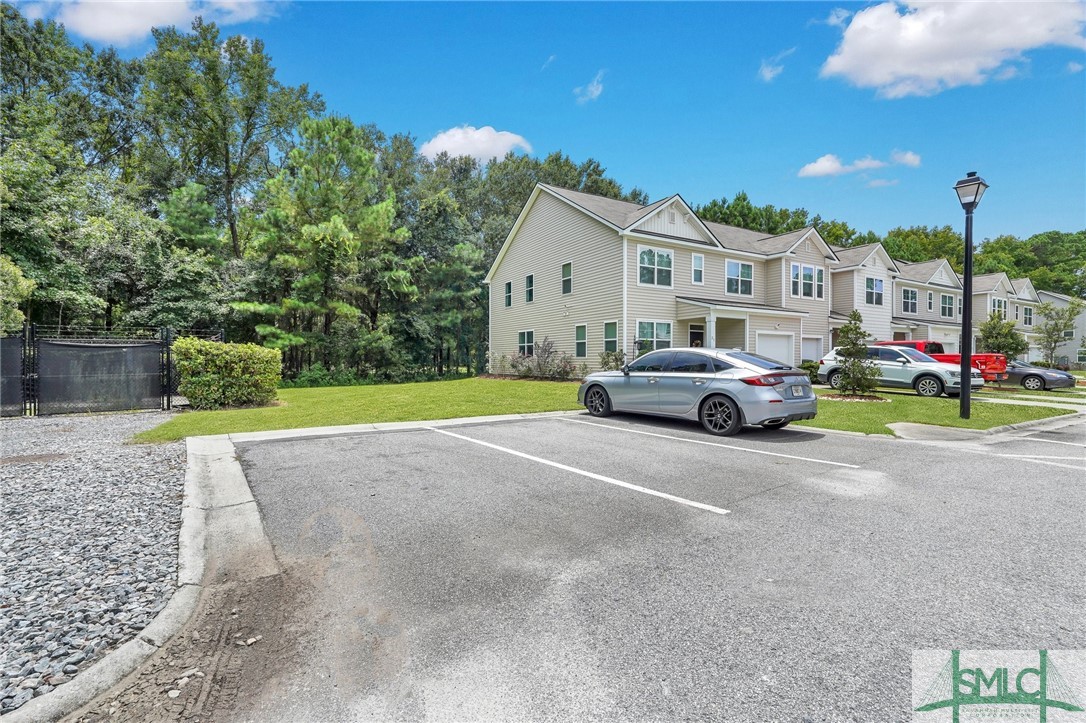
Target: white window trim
[
  {"x": 656, "y": 250},
  {"x": 875, "y": 293},
  {"x": 618, "y": 347},
  {"x": 1027, "y": 321},
  {"x": 575, "y": 342},
  {"x": 726, "y": 277},
  {"x": 915, "y": 302},
  {"x": 693, "y": 268},
  {"x": 508, "y": 301},
  {"x": 526, "y": 331},
  {"x": 563, "y": 280},
  {"x": 814, "y": 281},
  {"x": 942, "y": 306},
  {"x": 526, "y": 288},
  {"x": 691, "y": 328},
  {"x": 654, "y": 322},
  {"x": 931, "y": 301}
]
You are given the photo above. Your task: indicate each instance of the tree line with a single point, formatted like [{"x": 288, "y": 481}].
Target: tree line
[{"x": 190, "y": 188}]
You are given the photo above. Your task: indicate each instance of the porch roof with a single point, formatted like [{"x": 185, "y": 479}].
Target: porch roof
[{"x": 740, "y": 306}]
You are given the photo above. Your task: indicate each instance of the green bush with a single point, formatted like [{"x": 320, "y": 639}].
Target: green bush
[
  {"x": 811, "y": 367},
  {"x": 215, "y": 375},
  {"x": 612, "y": 360}
]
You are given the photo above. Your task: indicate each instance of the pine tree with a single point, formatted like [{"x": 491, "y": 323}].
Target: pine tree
[{"x": 859, "y": 374}]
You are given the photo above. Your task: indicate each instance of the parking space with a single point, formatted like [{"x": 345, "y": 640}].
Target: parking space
[{"x": 632, "y": 569}]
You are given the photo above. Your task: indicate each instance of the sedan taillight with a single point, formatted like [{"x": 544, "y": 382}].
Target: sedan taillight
[{"x": 766, "y": 380}]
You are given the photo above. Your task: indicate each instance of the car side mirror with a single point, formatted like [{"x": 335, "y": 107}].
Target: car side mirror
[{"x": 626, "y": 369}]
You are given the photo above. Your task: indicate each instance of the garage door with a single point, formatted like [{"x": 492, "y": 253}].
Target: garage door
[
  {"x": 776, "y": 346},
  {"x": 812, "y": 348}
]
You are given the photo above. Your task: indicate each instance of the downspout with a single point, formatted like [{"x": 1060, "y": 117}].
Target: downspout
[{"x": 625, "y": 282}]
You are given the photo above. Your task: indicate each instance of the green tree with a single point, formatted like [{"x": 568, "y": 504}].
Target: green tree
[
  {"x": 218, "y": 114},
  {"x": 14, "y": 290},
  {"x": 998, "y": 336},
  {"x": 189, "y": 218},
  {"x": 920, "y": 243},
  {"x": 1055, "y": 321},
  {"x": 859, "y": 375}
]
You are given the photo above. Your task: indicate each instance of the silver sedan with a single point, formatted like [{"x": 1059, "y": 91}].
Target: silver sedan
[{"x": 722, "y": 388}]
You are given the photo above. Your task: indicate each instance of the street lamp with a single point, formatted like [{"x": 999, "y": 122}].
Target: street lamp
[{"x": 969, "y": 189}]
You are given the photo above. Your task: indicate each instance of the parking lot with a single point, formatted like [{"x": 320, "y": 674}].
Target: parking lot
[{"x": 633, "y": 569}]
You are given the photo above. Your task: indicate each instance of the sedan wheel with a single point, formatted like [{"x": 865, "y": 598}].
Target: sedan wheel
[
  {"x": 597, "y": 402},
  {"x": 720, "y": 416},
  {"x": 1034, "y": 384},
  {"x": 928, "y": 387}
]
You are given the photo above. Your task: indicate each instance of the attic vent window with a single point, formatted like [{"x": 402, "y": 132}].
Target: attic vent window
[
  {"x": 671, "y": 216},
  {"x": 807, "y": 246}
]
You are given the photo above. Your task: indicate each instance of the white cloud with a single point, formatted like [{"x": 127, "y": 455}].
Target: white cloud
[
  {"x": 881, "y": 183},
  {"x": 906, "y": 158},
  {"x": 831, "y": 165},
  {"x": 124, "y": 23},
  {"x": 1074, "y": 67},
  {"x": 591, "y": 91},
  {"x": 838, "y": 16},
  {"x": 773, "y": 67},
  {"x": 481, "y": 144},
  {"x": 550, "y": 60},
  {"x": 922, "y": 48}
]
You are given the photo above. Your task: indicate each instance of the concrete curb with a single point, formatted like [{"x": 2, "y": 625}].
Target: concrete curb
[
  {"x": 923, "y": 432},
  {"x": 218, "y": 515}
]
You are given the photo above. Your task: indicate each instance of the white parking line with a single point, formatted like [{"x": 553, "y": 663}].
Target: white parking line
[
  {"x": 1035, "y": 456},
  {"x": 590, "y": 475},
  {"x": 711, "y": 444},
  {"x": 1053, "y": 441}
]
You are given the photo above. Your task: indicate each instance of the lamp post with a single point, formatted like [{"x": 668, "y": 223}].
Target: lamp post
[{"x": 969, "y": 190}]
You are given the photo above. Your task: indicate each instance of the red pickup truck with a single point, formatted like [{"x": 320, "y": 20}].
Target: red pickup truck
[{"x": 993, "y": 367}]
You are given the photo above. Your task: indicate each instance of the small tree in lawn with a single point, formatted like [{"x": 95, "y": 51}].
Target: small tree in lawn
[
  {"x": 859, "y": 374},
  {"x": 1056, "y": 321},
  {"x": 997, "y": 336}
]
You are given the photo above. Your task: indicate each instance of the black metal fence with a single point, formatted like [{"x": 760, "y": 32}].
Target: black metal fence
[{"x": 52, "y": 370}]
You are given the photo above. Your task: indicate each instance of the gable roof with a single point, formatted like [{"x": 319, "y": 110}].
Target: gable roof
[
  {"x": 1024, "y": 289},
  {"x": 922, "y": 272},
  {"x": 615, "y": 212},
  {"x": 851, "y": 256},
  {"x": 985, "y": 283}
]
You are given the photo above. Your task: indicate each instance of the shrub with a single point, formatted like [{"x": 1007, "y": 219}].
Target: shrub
[
  {"x": 612, "y": 360},
  {"x": 215, "y": 375},
  {"x": 859, "y": 374},
  {"x": 811, "y": 367},
  {"x": 545, "y": 363}
]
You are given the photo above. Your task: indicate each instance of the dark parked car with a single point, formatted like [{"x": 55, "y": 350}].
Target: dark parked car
[
  {"x": 722, "y": 388},
  {"x": 1038, "y": 379}
]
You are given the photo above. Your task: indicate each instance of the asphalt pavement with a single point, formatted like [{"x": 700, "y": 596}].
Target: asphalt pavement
[{"x": 639, "y": 569}]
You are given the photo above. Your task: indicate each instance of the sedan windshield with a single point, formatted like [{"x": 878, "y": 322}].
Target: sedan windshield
[{"x": 915, "y": 355}]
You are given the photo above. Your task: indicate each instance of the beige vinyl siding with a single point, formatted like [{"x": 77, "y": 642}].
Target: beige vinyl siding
[
  {"x": 758, "y": 269},
  {"x": 817, "y": 321},
  {"x": 777, "y": 325},
  {"x": 660, "y": 222},
  {"x": 922, "y": 314},
  {"x": 876, "y": 318},
  {"x": 551, "y": 235},
  {"x": 844, "y": 285},
  {"x": 774, "y": 270},
  {"x": 730, "y": 334}
]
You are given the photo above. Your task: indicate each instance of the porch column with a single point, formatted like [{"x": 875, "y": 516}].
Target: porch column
[{"x": 710, "y": 330}]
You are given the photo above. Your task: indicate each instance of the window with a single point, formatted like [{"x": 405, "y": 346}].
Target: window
[
  {"x": 567, "y": 278},
  {"x": 960, "y": 305},
  {"x": 946, "y": 306},
  {"x": 999, "y": 306},
  {"x": 653, "y": 335},
  {"x": 529, "y": 287},
  {"x": 690, "y": 363},
  {"x": 1068, "y": 333},
  {"x": 654, "y": 266},
  {"x": 610, "y": 336},
  {"x": 1016, "y": 312},
  {"x": 931, "y": 301},
  {"x": 1027, "y": 316},
  {"x": 526, "y": 343},
  {"x": 874, "y": 292},
  {"x": 508, "y": 293},
  {"x": 908, "y": 301},
  {"x": 651, "y": 362},
  {"x": 740, "y": 278},
  {"x": 581, "y": 341},
  {"x": 697, "y": 269},
  {"x": 807, "y": 281},
  {"x": 1082, "y": 355}
]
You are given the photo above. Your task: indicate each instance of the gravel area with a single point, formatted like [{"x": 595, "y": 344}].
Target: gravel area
[{"x": 88, "y": 545}]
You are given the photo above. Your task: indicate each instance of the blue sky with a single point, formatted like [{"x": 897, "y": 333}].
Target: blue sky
[{"x": 867, "y": 113}]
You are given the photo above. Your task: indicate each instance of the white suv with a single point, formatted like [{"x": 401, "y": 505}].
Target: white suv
[{"x": 905, "y": 368}]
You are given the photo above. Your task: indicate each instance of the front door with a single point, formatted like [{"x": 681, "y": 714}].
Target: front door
[{"x": 697, "y": 335}]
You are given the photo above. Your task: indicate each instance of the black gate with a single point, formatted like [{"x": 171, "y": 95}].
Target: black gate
[{"x": 65, "y": 371}]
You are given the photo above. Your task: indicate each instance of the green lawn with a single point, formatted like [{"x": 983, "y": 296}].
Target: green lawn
[
  {"x": 872, "y": 417},
  {"x": 331, "y": 406}
]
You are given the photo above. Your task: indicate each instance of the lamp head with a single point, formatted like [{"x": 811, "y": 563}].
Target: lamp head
[{"x": 970, "y": 189}]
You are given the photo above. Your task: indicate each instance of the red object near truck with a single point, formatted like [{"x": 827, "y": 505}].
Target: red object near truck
[{"x": 993, "y": 367}]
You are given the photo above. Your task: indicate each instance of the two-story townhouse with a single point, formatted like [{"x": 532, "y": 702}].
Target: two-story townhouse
[
  {"x": 1024, "y": 313},
  {"x": 595, "y": 274},
  {"x": 1070, "y": 351},
  {"x": 1016, "y": 300},
  {"x": 863, "y": 279},
  {"x": 927, "y": 302}
]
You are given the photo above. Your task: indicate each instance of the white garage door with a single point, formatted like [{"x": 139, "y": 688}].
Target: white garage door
[
  {"x": 776, "y": 346},
  {"x": 812, "y": 348}
]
